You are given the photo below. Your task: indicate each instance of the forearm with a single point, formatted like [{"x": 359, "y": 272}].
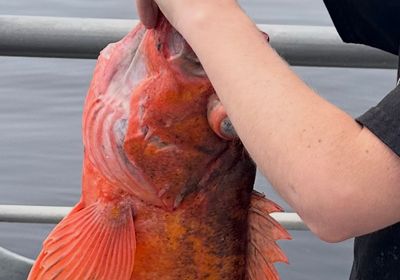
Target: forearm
[{"x": 308, "y": 148}]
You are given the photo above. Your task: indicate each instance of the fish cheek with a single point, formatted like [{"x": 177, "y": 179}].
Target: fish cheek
[{"x": 170, "y": 170}]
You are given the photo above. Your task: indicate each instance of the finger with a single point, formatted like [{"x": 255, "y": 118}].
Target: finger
[{"x": 148, "y": 12}]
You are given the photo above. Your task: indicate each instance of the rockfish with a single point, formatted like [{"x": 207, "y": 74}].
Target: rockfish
[{"x": 167, "y": 188}]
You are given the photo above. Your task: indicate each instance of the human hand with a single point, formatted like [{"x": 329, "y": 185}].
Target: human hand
[{"x": 148, "y": 12}]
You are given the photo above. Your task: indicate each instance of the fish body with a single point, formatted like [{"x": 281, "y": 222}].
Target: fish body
[{"x": 167, "y": 188}]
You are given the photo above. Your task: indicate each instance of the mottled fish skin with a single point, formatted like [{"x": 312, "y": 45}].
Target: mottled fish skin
[
  {"x": 194, "y": 223},
  {"x": 167, "y": 187}
]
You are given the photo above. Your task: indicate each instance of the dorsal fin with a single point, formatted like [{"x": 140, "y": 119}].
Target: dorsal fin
[{"x": 262, "y": 235}]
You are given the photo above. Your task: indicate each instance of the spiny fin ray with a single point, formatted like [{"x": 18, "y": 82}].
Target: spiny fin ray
[
  {"x": 86, "y": 241},
  {"x": 263, "y": 233}
]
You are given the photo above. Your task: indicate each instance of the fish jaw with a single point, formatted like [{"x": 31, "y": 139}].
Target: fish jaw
[{"x": 121, "y": 67}]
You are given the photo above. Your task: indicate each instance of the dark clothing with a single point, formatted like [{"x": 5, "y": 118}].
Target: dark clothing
[
  {"x": 375, "y": 23},
  {"x": 384, "y": 121},
  {"x": 377, "y": 255}
]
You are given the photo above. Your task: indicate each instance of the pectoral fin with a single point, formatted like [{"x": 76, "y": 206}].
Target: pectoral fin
[
  {"x": 263, "y": 233},
  {"x": 96, "y": 242}
]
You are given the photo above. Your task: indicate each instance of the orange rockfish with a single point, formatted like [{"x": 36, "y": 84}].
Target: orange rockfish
[{"x": 167, "y": 188}]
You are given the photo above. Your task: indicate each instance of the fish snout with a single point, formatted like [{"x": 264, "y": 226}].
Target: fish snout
[{"x": 219, "y": 120}]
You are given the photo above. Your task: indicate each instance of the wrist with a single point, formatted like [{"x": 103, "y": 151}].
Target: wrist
[{"x": 208, "y": 17}]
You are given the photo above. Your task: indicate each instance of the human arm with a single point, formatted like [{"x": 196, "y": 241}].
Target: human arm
[{"x": 340, "y": 178}]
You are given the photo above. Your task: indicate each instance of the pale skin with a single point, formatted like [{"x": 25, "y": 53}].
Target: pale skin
[{"x": 338, "y": 176}]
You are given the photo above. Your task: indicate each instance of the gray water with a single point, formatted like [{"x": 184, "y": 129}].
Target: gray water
[{"x": 40, "y": 121}]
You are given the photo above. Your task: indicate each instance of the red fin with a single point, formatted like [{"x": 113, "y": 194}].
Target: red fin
[
  {"x": 96, "y": 242},
  {"x": 263, "y": 233}
]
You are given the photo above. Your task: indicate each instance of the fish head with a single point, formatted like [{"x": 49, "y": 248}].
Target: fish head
[
  {"x": 166, "y": 128},
  {"x": 178, "y": 134}
]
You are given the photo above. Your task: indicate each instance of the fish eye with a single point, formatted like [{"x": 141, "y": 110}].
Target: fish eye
[{"x": 227, "y": 129}]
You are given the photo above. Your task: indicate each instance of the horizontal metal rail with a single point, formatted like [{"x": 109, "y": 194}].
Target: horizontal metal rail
[
  {"x": 84, "y": 38},
  {"x": 32, "y": 214},
  {"x": 14, "y": 266},
  {"x": 53, "y": 214}
]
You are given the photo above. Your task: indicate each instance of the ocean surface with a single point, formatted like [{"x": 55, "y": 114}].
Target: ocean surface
[{"x": 40, "y": 125}]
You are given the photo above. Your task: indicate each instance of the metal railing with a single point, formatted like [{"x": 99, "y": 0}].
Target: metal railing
[
  {"x": 84, "y": 38},
  {"x": 53, "y": 214},
  {"x": 16, "y": 267}
]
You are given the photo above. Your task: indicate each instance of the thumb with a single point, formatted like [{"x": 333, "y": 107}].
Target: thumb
[{"x": 148, "y": 12}]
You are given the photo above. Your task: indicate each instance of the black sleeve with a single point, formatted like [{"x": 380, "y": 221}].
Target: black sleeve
[
  {"x": 384, "y": 120},
  {"x": 374, "y": 23}
]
